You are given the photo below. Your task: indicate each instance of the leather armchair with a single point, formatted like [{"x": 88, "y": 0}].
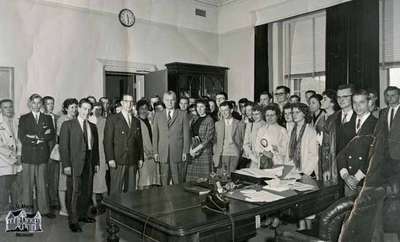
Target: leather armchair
[{"x": 330, "y": 224}]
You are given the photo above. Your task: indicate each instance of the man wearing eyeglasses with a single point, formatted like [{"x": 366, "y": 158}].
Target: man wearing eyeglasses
[
  {"x": 282, "y": 94},
  {"x": 123, "y": 147}
]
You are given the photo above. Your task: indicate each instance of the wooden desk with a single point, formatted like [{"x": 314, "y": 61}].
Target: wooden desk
[{"x": 172, "y": 214}]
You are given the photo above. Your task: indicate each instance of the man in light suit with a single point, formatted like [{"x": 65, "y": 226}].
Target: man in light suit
[
  {"x": 53, "y": 167},
  {"x": 79, "y": 153},
  {"x": 35, "y": 131},
  {"x": 10, "y": 157},
  {"x": 123, "y": 147},
  {"x": 229, "y": 134},
  {"x": 171, "y": 140}
]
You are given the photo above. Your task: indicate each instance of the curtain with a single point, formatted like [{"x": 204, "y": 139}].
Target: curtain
[{"x": 261, "y": 69}]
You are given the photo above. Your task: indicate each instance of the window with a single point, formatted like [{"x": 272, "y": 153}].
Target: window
[
  {"x": 394, "y": 77},
  {"x": 298, "y": 47}
]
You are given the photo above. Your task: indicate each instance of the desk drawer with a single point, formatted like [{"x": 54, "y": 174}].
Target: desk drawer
[{"x": 244, "y": 230}]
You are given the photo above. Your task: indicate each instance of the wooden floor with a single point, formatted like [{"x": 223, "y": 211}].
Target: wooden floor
[{"x": 57, "y": 230}]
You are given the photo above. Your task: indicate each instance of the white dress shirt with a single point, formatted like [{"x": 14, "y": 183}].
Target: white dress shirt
[
  {"x": 89, "y": 131},
  {"x": 362, "y": 120},
  {"x": 228, "y": 122},
  {"x": 348, "y": 115},
  {"x": 128, "y": 117},
  {"x": 36, "y": 116},
  {"x": 169, "y": 112}
]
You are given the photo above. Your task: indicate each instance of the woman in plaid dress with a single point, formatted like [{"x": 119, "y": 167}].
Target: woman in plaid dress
[{"x": 202, "y": 132}]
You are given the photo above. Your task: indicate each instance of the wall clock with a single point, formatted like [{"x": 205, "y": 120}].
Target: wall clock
[{"x": 126, "y": 17}]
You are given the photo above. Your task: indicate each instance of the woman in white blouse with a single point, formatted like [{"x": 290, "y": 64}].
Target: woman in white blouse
[
  {"x": 303, "y": 142},
  {"x": 250, "y": 137},
  {"x": 272, "y": 139}
]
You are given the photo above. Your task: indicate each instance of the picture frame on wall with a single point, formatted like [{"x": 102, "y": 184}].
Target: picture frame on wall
[{"x": 6, "y": 82}]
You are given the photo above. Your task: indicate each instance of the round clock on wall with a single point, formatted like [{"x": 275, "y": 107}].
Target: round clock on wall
[{"x": 126, "y": 17}]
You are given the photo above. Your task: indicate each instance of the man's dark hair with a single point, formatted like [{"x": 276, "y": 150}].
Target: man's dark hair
[
  {"x": 250, "y": 103},
  {"x": 159, "y": 103},
  {"x": 392, "y": 88},
  {"x": 224, "y": 94},
  {"x": 68, "y": 102},
  {"x": 311, "y": 91},
  {"x": 318, "y": 97},
  {"x": 361, "y": 92},
  {"x": 243, "y": 101},
  {"x": 6, "y": 100},
  {"x": 34, "y": 96},
  {"x": 183, "y": 97},
  {"x": 287, "y": 106},
  {"x": 84, "y": 100},
  {"x": 347, "y": 86},
  {"x": 226, "y": 103},
  {"x": 287, "y": 89},
  {"x": 295, "y": 96},
  {"x": 266, "y": 93},
  {"x": 47, "y": 98}
]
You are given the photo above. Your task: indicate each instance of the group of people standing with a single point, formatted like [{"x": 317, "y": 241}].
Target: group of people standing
[{"x": 68, "y": 161}]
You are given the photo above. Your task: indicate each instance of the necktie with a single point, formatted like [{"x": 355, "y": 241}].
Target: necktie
[
  {"x": 37, "y": 118},
  {"x": 344, "y": 118},
  {"x": 358, "y": 125},
  {"x": 391, "y": 117},
  {"x": 129, "y": 120},
  {"x": 85, "y": 134},
  {"x": 169, "y": 115}
]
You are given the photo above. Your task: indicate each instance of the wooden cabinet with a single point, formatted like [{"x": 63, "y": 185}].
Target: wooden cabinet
[{"x": 196, "y": 80}]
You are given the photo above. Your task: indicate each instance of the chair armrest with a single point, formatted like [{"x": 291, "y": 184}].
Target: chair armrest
[{"x": 293, "y": 236}]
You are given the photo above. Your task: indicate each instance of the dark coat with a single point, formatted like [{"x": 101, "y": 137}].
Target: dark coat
[
  {"x": 344, "y": 132},
  {"x": 33, "y": 153},
  {"x": 355, "y": 155},
  {"x": 73, "y": 148},
  {"x": 393, "y": 135},
  {"x": 121, "y": 143}
]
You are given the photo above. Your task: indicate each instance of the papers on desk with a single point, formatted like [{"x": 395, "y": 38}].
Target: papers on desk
[
  {"x": 261, "y": 173},
  {"x": 293, "y": 174},
  {"x": 284, "y": 185},
  {"x": 252, "y": 195}
]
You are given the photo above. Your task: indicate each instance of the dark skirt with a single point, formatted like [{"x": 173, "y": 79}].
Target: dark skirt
[{"x": 199, "y": 167}]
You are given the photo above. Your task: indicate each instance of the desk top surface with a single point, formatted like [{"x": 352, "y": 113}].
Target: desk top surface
[{"x": 175, "y": 209}]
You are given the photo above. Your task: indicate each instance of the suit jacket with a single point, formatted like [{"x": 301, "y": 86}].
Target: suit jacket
[
  {"x": 10, "y": 147},
  {"x": 54, "y": 141},
  {"x": 73, "y": 148},
  {"x": 344, "y": 132},
  {"x": 173, "y": 139},
  {"x": 393, "y": 135},
  {"x": 238, "y": 132},
  {"x": 355, "y": 156},
  {"x": 32, "y": 152},
  {"x": 121, "y": 143}
]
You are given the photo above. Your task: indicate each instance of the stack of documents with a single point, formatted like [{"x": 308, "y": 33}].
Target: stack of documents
[
  {"x": 261, "y": 173},
  {"x": 284, "y": 185},
  {"x": 252, "y": 195}
]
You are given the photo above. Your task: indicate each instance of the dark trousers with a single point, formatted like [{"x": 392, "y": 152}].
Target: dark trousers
[
  {"x": 79, "y": 193},
  {"x": 35, "y": 176},
  {"x": 174, "y": 171},
  {"x": 53, "y": 174},
  {"x": 123, "y": 179},
  {"x": 9, "y": 190}
]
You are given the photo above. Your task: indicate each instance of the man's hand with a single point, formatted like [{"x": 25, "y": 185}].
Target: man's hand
[
  {"x": 140, "y": 164},
  {"x": 184, "y": 157},
  {"x": 96, "y": 169},
  {"x": 156, "y": 158},
  {"x": 31, "y": 136},
  {"x": 275, "y": 148},
  {"x": 112, "y": 164},
  {"x": 67, "y": 171},
  {"x": 48, "y": 131}
]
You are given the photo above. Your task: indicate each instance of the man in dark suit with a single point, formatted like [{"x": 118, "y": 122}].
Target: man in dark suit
[
  {"x": 171, "y": 140},
  {"x": 79, "y": 152},
  {"x": 53, "y": 167},
  {"x": 123, "y": 147},
  {"x": 36, "y": 130},
  {"x": 353, "y": 160}
]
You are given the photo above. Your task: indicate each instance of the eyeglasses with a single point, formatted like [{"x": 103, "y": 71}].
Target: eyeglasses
[{"x": 279, "y": 94}]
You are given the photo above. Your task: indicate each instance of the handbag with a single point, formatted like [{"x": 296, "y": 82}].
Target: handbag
[{"x": 55, "y": 153}]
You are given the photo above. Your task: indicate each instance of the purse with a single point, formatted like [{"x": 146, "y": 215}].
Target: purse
[{"x": 55, "y": 153}]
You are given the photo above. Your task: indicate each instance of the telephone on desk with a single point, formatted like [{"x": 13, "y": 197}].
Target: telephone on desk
[{"x": 215, "y": 200}]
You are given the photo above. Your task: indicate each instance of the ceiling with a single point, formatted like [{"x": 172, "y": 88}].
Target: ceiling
[{"x": 216, "y": 3}]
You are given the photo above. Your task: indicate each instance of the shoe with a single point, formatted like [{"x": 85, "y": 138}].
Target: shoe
[
  {"x": 63, "y": 213},
  {"x": 87, "y": 220},
  {"x": 50, "y": 215},
  {"x": 75, "y": 228}
]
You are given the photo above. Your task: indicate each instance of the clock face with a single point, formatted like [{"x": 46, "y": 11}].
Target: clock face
[{"x": 127, "y": 18}]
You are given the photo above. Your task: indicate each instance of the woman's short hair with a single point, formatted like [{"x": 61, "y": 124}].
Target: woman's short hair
[
  {"x": 68, "y": 102},
  {"x": 273, "y": 107},
  {"x": 331, "y": 94},
  {"x": 305, "y": 109},
  {"x": 142, "y": 102},
  {"x": 317, "y": 97},
  {"x": 205, "y": 103}
]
